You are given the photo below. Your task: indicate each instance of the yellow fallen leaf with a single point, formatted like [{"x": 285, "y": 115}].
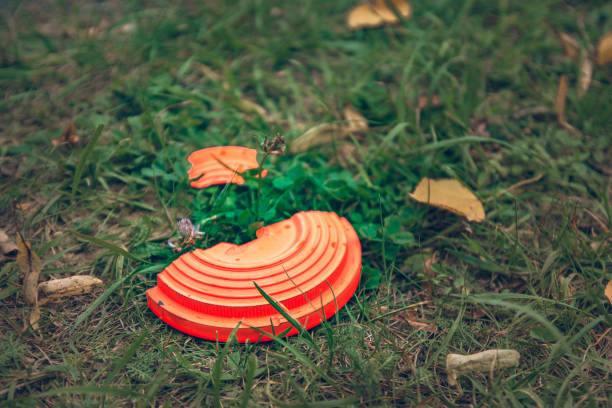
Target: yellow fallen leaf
[
  {"x": 354, "y": 120},
  {"x": 30, "y": 266},
  {"x": 608, "y": 291},
  {"x": 450, "y": 195},
  {"x": 377, "y": 13},
  {"x": 604, "y": 49}
]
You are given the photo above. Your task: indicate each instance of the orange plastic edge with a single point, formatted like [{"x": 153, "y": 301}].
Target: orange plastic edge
[
  {"x": 309, "y": 263},
  {"x": 221, "y": 165}
]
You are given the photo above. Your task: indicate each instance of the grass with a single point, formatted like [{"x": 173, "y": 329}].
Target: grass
[{"x": 530, "y": 277}]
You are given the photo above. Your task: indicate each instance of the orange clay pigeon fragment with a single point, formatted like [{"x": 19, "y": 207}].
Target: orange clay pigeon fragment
[
  {"x": 309, "y": 264},
  {"x": 450, "y": 195},
  {"x": 221, "y": 165}
]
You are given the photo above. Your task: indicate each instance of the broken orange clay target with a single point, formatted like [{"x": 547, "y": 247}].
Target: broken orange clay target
[
  {"x": 221, "y": 165},
  {"x": 310, "y": 264}
]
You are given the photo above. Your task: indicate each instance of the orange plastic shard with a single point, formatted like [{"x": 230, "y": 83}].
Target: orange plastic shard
[
  {"x": 221, "y": 165},
  {"x": 310, "y": 264}
]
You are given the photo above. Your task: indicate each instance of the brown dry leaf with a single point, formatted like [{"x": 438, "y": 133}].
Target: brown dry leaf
[
  {"x": 210, "y": 73},
  {"x": 429, "y": 327},
  {"x": 69, "y": 136},
  {"x": 608, "y": 291},
  {"x": 71, "y": 286},
  {"x": 560, "y": 104},
  {"x": 30, "y": 266},
  {"x": 586, "y": 74},
  {"x": 478, "y": 126},
  {"x": 450, "y": 195},
  {"x": 604, "y": 50},
  {"x": 570, "y": 46},
  {"x": 348, "y": 155},
  {"x": 34, "y": 317},
  {"x": 423, "y": 102},
  {"x": 377, "y": 13},
  {"x": 355, "y": 120},
  {"x": 415, "y": 323},
  {"x": 489, "y": 360},
  {"x": 324, "y": 133},
  {"x": 248, "y": 106},
  {"x": 24, "y": 206},
  {"x": 430, "y": 273},
  {"x": 245, "y": 105},
  {"x": 7, "y": 246}
]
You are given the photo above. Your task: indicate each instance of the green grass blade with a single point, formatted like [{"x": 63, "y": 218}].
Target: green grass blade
[
  {"x": 301, "y": 329},
  {"x": 110, "y": 290},
  {"x": 113, "y": 248},
  {"x": 248, "y": 381},
  {"x": 488, "y": 299},
  {"x": 216, "y": 372},
  {"x": 83, "y": 159},
  {"x": 91, "y": 390},
  {"x": 299, "y": 356},
  {"x": 129, "y": 353}
]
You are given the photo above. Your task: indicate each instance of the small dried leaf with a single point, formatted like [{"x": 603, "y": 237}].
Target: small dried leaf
[
  {"x": 348, "y": 155},
  {"x": 30, "y": 266},
  {"x": 604, "y": 50},
  {"x": 423, "y": 102},
  {"x": 570, "y": 46},
  {"x": 210, "y": 73},
  {"x": 586, "y": 75},
  {"x": 428, "y": 327},
  {"x": 608, "y": 291},
  {"x": 412, "y": 319},
  {"x": 450, "y": 195},
  {"x": 377, "y": 14},
  {"x": 69, "y": 136},
  {"x": 34, "y": 317},
  {"x": 248, "y": 106},
  {"x": 7, "y": 247},
  {"x": 489, "y": 360},
  {"x": 560, "y": 104},
  {"x": 324, "y": 133},
  {"x": 24, "y": 206},
  {"x": 71, "y": 286},
  {"x": 355, "y": 120},
  {"x": 430, "y": 273},
  {"x": 478, "y": 126}
]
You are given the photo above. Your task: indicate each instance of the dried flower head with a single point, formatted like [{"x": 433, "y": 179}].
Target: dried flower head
[
  {"x": 185, "y": 227},
  {"x": 275, "y": 145},
  {"x": 189, "y": 235}
]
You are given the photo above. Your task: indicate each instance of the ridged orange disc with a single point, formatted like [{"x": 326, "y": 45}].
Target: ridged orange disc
[
  {"x": 309, "y": 263},
  {"x": 221, "y": 165}
]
